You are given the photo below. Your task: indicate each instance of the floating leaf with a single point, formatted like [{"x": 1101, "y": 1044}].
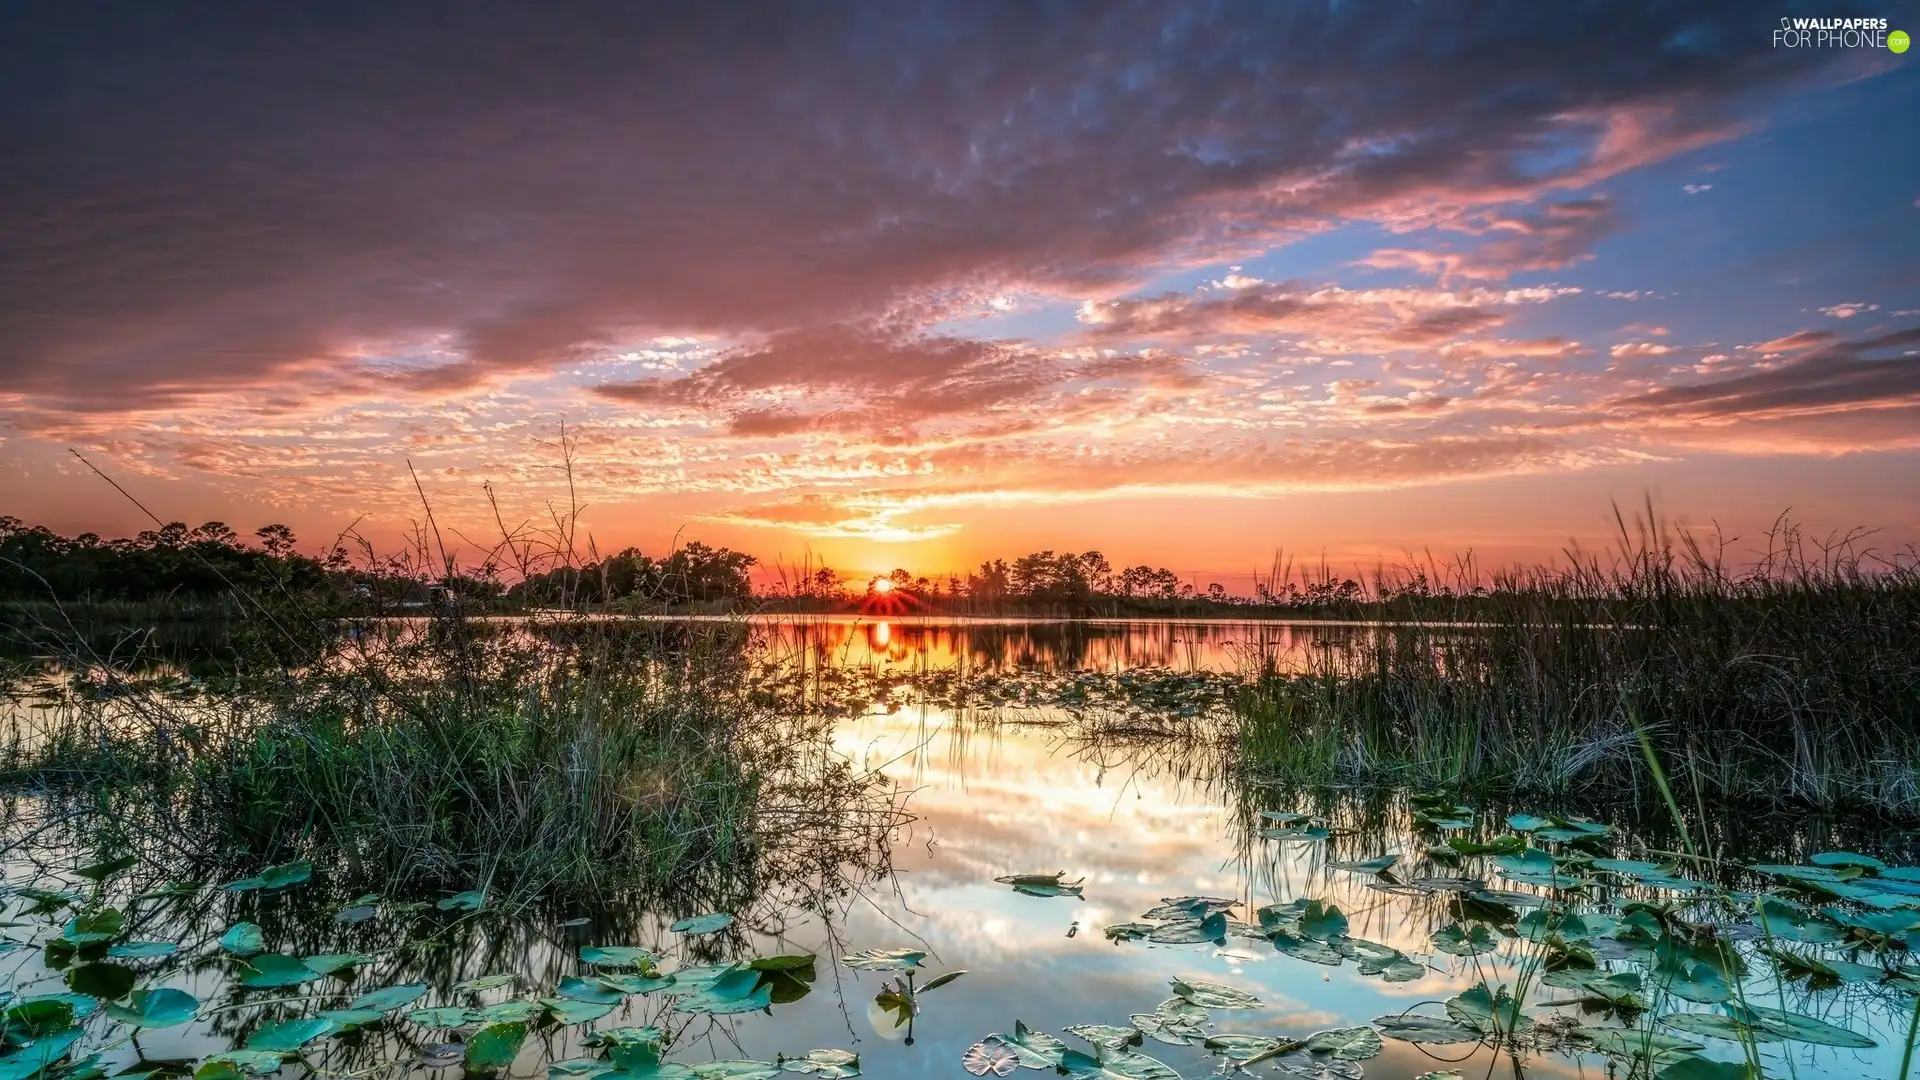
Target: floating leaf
[
  {"x": 268, "y": 970},
  {"x": 830, "y": 1064},
  {"x": 1639, "y": 1043},
  {"x": 1801, "y": 1028},
  {"x": 243, "y": 939},
  {"x": 273, "y": 877},
  {"x": 1347, "y": 1043},
  {"x": 1107, "y": 1035},
  {"x": 288, "y": 1036},
  {"x": 883, "y": 959},
  {"x": 1209, "y": 995},
  {"x": 990, "y": 1055},
  {"x": 710, "y": 923},
  {"x": 1456, "y": 940},
  {"x": 1046, "y": 885},
  {"x": 1370, "y": 866},
  {"x": 446, "y": 1016},
  {"x": 258, "y": 1062},
  {"x": 1526, "y": 822},
  {"x": 484, "y": 983},
  {"x": 1035, "y": 1049},
  {"x": 1246, "y": 1047},
  {"x": 495, "y": 1046},
  {"x": 1847, "y": 858},
  {"x": 358, "y": 913},
  {"x": 616, "y": 956},
  {"x": 329, "y": 963},
  {"x": 635, "y": 982},
  {"x": 567, "y": 1011},
  {"x": 594, "y": 991},
  {"x": 1490, "y": 1012},
  {"x": 1699, "y": 1068},
  {"x": 106, "y": 924},
  {"x": 471, "y": 900},
  {"x": 512, "y": 1009},
  {"x": 352, "y": 1019},
  {"x": 157, "y": 1008},
  {"x": 1416, "y": 1028},
  {"x": 737, "y": 992},
  {"x": 38, "y": 1054},
  {"x": 142, "y": 950},
  {"x": 1114, "y": 1066},
  {"x": 1313, "y": 952},
  {"x": 389, "y": 998}
]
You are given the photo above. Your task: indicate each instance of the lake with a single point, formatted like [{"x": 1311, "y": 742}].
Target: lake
[{"x": 1207, "y": 906}]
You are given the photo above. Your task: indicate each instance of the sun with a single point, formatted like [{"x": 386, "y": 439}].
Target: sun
[{"x": 880, "y": 585}]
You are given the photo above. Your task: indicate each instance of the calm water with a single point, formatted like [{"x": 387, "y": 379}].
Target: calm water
[{"x": 1016, "y": 794}]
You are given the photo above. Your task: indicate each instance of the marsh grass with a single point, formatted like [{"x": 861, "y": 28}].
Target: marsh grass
[
  {"x": 543, "y": 755},
  {"x": 1795, "y": 681}
]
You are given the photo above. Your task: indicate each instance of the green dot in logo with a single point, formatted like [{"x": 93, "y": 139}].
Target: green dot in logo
[{"x": 1898, "y": 41}]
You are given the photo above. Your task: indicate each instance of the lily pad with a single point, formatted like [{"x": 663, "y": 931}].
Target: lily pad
[
  {"x": 1211, "y": 995},
  {"x": 243, "y": 939},
  {"x": 273, "y": 877},
  {"x": 268, "y": 970},
  {"x": 831, "y": 1064},
  {"x": 471, "y": 900},
  {"x": 288, "y": 1036},
  {"x": 883, "y": 959},
  {"x": 1417, "y": 1028},
  {"x": 494, "y": 1046},
  {"x": 703, "y": 924},
  {"x": 616, "y": 956},
  {"x": 389, "y": 998},
  {"x": 156, "y": 1008},
  {"x": 1347, "y": 1043}
]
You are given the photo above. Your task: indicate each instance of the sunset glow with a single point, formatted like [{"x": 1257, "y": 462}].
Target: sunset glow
[{"x": 933, "y": 285}]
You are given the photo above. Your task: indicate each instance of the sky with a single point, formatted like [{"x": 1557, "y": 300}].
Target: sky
[{"x": 918, "y": 284}]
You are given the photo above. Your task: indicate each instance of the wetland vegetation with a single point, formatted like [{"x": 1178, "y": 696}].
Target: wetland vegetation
[{"x": 1650, "y": 816}]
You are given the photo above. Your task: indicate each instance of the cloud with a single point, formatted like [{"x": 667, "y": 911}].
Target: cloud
[
  {"x": 1696, "y": 189},
  {"x": 1557, "y": 235},
  {"x": 1359, "y": 320},
  {"x": 1842, "y": 377},
  {"x": 1848, "y": 310},
  {"x": 884, "y": 382},
  {"x": 225, "y": 206}
]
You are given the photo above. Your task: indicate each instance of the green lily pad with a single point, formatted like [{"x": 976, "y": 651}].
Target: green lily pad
[
  {"x": 329, "y": 963},
  {"x": 594, "y": 991},
  {"x": 1210, "y": 995},
  {"x": 1107, "y": 1035},
  {"x": 243, "y": 939},
  {"x": 106, "y": 924},
  {"x": 107, "y": 982},
  {"x": 567, "y": 1011},
  {"x": 352, "y": 1019},
  {"x": 1417, "y": 1028},
  {"x": 828, "y": 1064},
  {"x": 1347, "y": 1043},
  {"x": 273, "y": 877},
  {"x": 389, "y": 998},
  {"x": 703, "y": 924},
  {"x": 268, "y": 970},
  {"x": 447, "y": 1016},
  {"x": 1489, "y": 1012},
  {"x": 156, "y": 1008},
  {"x": 484, "y": 983},
  {"x": 495, "y": 1046},
  {"x": 617, "y": 956},
  {"x": 288, "y": 1036},
  {"x": 143, "y": 950},
  {"x": 1456, "y": 940},
  {"x": 1035, "y": 1049}
]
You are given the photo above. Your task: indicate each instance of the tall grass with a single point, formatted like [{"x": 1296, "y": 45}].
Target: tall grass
[
  {"x": 1795, "y": 680},
  {"x": 526, "y": 758}
]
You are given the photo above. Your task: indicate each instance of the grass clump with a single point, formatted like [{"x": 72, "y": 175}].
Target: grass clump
[
  {"x": 523, "y": 757},
  {"x": 1794, "y": 681}
]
